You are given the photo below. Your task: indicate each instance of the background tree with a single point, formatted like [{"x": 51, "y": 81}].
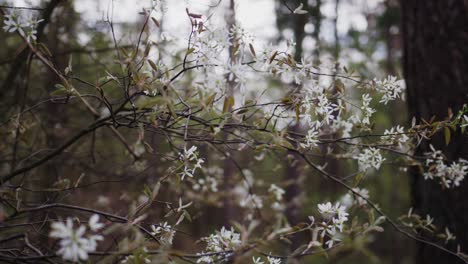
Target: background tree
[{"x": 435, "y": 65}]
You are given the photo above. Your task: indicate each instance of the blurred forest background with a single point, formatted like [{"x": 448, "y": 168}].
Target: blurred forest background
[{"x": 363, "y": 35}]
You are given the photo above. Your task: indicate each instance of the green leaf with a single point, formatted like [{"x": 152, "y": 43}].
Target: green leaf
[
  {"x": 147, "y": 50},
  {"x": 447, "y": 135},
  {"x": 228, "y": 104},
  {"x": 102, "y": 80},
  {"x": 59, "y": 92},
  {"x": 298, "y": 112},
  {"x": 209, "y": 101},
  {"x": 59, "y": 86},
  {"x": 190, "y": 51},
  {"x": 153, "y": 65},
  {"x": 358, "y": 179}
]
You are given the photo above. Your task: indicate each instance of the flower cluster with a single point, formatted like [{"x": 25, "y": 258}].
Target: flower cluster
[
  {"x": 220, "y": 245},
  {"x": 278, "y": 193},
  {"x": 251, "y": 201},
  {"x": 74, "y": 245},
  {"x": 391, "y": 88},
  {"x": 334, "y": 217},
  {"x": 370, "y": 158},
  {"x": 449, "y": 175},
  {"x": 395, "y": 135},
  {"x": 336, "y": 213},
  {"x": 25, "y": 27},
  {"x": 311, "y": 139},
  {"x": 209, "y": 45},
  {"x": 316, "y": 102},
  {"x": 191, "y": 162},
  {"x": 206, "y": 184},
  {"x": 366, "y": 109},
  {"x": 164, "y": 232},
  {"x": 240, "y": 35},
  {"x": 271, "y": 260}
]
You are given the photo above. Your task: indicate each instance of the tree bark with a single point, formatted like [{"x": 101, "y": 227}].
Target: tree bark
[{"x": 435, "y": 35}]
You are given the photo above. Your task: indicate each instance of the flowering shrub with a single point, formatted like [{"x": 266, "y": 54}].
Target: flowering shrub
[{"x": 209, "y": 104}]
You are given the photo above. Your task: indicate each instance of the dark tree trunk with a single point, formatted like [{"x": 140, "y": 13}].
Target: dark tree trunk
[
  {"x": 294, "y": 189},
  {"x": 435, "y": 35}
]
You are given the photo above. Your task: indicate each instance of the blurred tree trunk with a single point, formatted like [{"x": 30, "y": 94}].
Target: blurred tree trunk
[
  {"x": 229, "y": 166},
  {"x": 336, "y": 48},
  {"x": 317, "y": 16},
  {"x": 435, "y": 36},
  {"x": 292, "y": 177},
  {"x": 389, "y": 42},
  {"x": 389, "y": 28}
]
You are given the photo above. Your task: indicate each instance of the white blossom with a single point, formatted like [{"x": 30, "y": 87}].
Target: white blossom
[
  {"x": 391, "y": 88},
  {"x": 333, "y": 237},
  {"x": 26, "y": 27},
  {"x": 299, "y": 10},
  {"x": 364, "y": 193},
  {"x": 206, "y": 184},
  {"x": 164, "y": 232},
  {"x": 448, "y": 175},
  {"x": 429, "y": 220},
  {"x": 74, "y": 246},
  {"x": 277, "y": 192},
  {"x": 191, "y": 162},
  {"x": 251, "y": 201},
  {"x": 257, "y": 260},
  {"x": 13, "y": 22},
  {"x": 345, "y": 126},
  {"x": 325, "y": 108},
  {"x": 273, "y": 260},
  {"x": 370, "y": 158},
  {"x": 395, "y": 135},
  {"x": 448, "y": 235},
  {"x": 221, "y": 241},
  {"x": 336, "y": 213},
  {"x": 94, "y": 224},
  {"x": 465, "y": 117},
  {"x": 240, "y": 34},
  {"x": 366, "y": 109},
  {"x": 311, "y": 139}
]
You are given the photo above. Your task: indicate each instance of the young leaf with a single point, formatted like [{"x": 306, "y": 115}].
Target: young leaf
[
  {"x": 447, "y": 135},
  {"x": 228, "y": 104}
]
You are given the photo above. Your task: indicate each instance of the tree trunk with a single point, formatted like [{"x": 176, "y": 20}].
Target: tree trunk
[
  {"x": 294, "y": 189},
  {"x": 435, "y": 35},
  {"x": 229, "y": 166}
]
